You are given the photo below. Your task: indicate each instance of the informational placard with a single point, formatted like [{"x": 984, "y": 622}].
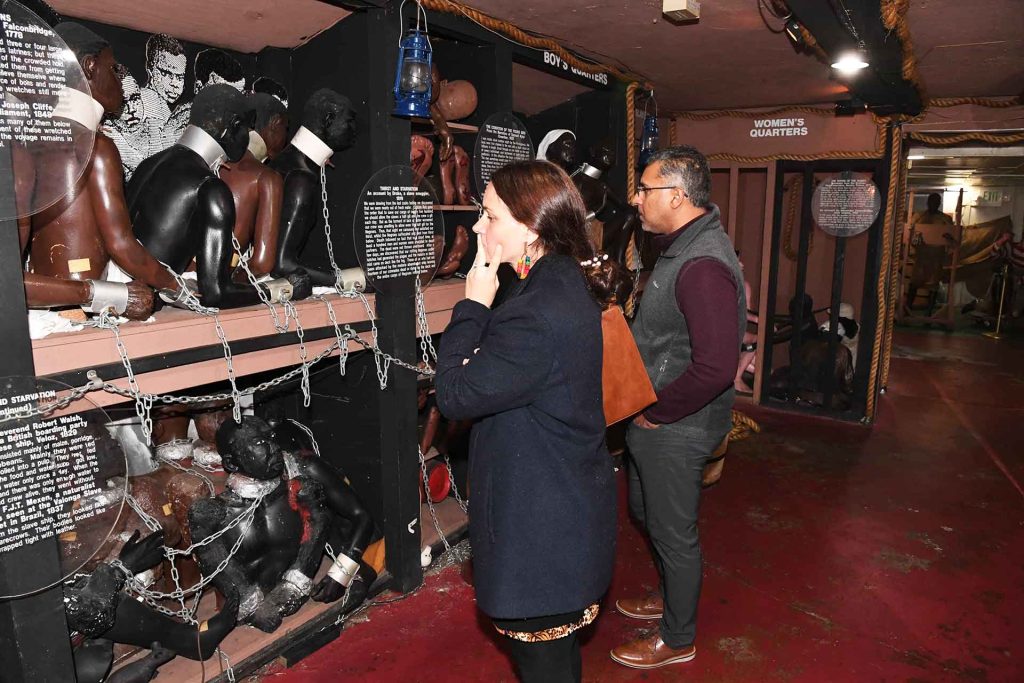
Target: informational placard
[
  {"x": 502, "y": 140},
  {"x": 61, "y": 475},
  {"x": 398, "y": 232},
  {"x": 845, "y": 207},
  {"x": 47, "y": 115}
]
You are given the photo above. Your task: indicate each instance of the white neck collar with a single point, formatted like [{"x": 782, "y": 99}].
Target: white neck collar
[
  {"x": 307, "y": 142},
  {"x": 258, "y": 146},
  {"x": 203, "y": 144},
  {"x": 247, "y": 487},
  {"x": 79, "y": 107},
  {"x": 592, "y": 171}
]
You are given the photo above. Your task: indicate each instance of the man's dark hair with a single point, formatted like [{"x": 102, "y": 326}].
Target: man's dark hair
[
  {"x": 213, "y": 60},
  {"x": 935, "y": 202},
  {"x": 83, "y": 42},
  {"x": 267, "y": 107},
  {"x": 266, "y": 84},
  {"x": 161, "y": 42},
  {"x": 686, "y": 167}
]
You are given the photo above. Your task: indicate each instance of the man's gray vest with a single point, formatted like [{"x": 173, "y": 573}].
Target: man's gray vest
[{"x": 660, "y": 329}]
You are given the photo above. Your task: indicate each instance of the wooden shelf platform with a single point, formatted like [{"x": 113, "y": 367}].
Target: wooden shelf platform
[
  {"x": 180, "y": 349},
  {"x": 452, "y": 125}
]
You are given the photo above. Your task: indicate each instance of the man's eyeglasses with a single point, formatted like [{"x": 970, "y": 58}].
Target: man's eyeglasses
[{"x": 642, "y": 189}]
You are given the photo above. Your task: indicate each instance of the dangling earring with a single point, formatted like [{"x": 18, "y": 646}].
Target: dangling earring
[{"x": 523, "y": 264}]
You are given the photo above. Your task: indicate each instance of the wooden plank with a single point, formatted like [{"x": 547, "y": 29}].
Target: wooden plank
[{"x": 762, "y": 292}]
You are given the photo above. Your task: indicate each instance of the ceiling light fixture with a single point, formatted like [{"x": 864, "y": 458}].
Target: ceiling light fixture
[
  {"x": 849, "y": 63},
  {"x": 916, "y": 157}
]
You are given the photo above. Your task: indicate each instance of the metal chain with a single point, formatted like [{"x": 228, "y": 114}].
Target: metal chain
[
  {"x": 290, "y": 311},
  {"x": 243, "y": 261},
  {"x": 342, "y": 340},
  {"x": 142, "y": 404},
  {"x": 146, "y": 518},
  {"x": 430, "y": 503},
  {"x": 312, "y": 439},
  {"x": 426, "y": 342},
  {"x": 455, "y": 489},
  {"x": 327, "y": 229}
]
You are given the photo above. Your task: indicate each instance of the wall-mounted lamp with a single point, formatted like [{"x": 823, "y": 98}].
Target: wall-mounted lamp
[
  {"x": 412, "y": 77},
  {"x": 849, "y": 63}
]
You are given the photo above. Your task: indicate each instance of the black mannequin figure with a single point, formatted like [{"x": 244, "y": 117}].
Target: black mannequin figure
[
  {"x": 559, "y": 147},
  {"x": 98, "y": 609},
  {"x": 281, "y": 550},
  {"x": 328, "y": 126},
  {"x": 619, "y": 219},
  {"x": 181, "y": 210}
]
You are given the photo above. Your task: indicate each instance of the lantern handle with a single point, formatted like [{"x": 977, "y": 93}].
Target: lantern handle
[
  {"x": 419, "y": 12},
  {"x": 647, "y": 102}
]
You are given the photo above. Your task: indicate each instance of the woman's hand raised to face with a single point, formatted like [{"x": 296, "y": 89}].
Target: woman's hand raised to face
[{"x": 482, "y": 278}]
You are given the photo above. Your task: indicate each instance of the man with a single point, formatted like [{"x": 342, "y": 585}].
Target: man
[
  {"x": 212, "y": 66},
  {"x": 933, "y": 214},
  {"x": 124, "y": 128},
  {"x": 165, "y": 67},
  {"x": 688, "y": 330}
]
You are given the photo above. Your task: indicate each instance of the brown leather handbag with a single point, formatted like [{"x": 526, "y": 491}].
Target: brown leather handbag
[{"x": 627, "y": 388}]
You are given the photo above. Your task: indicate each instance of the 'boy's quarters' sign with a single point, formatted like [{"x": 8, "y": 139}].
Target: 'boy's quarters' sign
[{"x": 551, "y": 59}]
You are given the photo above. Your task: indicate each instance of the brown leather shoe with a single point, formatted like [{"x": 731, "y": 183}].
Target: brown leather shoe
[
  {"x": 648, "y": 607},
  {"x": 650, "y": 653}
]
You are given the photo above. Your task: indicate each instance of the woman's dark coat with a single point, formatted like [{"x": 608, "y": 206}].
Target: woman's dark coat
[{"x": 542, "y": 505}]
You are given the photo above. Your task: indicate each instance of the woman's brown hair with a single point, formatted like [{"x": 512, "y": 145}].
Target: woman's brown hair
[{"x": 543, "y": 197}]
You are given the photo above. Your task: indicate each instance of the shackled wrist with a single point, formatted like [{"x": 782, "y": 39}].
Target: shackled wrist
[
  {"x": 343, "y": 570},
  {"x": 302, "y": 584},
  {"x": 278, "y": 289},
  {"x": 104, "y": 296}
]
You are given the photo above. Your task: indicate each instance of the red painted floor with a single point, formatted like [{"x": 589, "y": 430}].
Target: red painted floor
[{"x": 833, "y": 552}]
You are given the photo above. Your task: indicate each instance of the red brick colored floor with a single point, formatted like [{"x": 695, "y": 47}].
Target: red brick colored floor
[{"x": 832, "y": 552}]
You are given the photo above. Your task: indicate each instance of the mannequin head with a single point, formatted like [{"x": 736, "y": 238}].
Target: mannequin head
[
  {"x": 559, "y": 147},
  {"x": 97, "y": 60},
  {"x": 216, "y": 66},
  {"x": 224, "y": 113},
  {"x": 331, "y": 118},
  {"x": 249, "y": 448},
  {"x": 602, "y": 156},
  {"x": 165, "y": 66},
  {"x": 271, "y": 121},
  {"x": 265, "y": 84}
]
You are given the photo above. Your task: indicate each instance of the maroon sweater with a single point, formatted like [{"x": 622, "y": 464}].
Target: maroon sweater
[{"x": 706, "y": 296}]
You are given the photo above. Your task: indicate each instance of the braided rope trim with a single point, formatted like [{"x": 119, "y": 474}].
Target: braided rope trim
[
  {"x": 743, "y": 427},
  {"x": 974, "y": 136},
  {"x": 751, "y": 114},
  {"x": 992, "y": 102},
  {"x": 515, "y": 33},
  {"x": 631, "y": 160},
  {"x": 895, "y": 285},
  {"x": 883, "y": 326}
]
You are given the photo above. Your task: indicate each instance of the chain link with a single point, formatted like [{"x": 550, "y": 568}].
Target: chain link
[
  {"x": 426, "y": 342},
  {"x": 430, "y": 503},
  {"x": 243, "y": 261},
  {"x": 455, "y": 489}
]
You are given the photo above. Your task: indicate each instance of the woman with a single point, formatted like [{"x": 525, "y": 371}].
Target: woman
[{"x": 542, "y": 514}]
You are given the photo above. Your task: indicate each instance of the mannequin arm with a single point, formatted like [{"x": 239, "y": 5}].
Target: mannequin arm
[
  {"x": 268, "y": 222},
  {"x": 213, "y": 258},
  {"x": 299, "y": 209},
  {"x": 344, "y": 502},
  {"x": 106, "y": 190}
]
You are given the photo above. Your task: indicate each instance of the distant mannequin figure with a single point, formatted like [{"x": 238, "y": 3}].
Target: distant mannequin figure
[
  {"x": 933, "y": 214},
  {"x": 328, "y": 126},
  {"x": 559, "y": 147}
]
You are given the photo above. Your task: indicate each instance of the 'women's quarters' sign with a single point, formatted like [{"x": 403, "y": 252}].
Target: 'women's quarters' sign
[{"x": 773, "y": 128}]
